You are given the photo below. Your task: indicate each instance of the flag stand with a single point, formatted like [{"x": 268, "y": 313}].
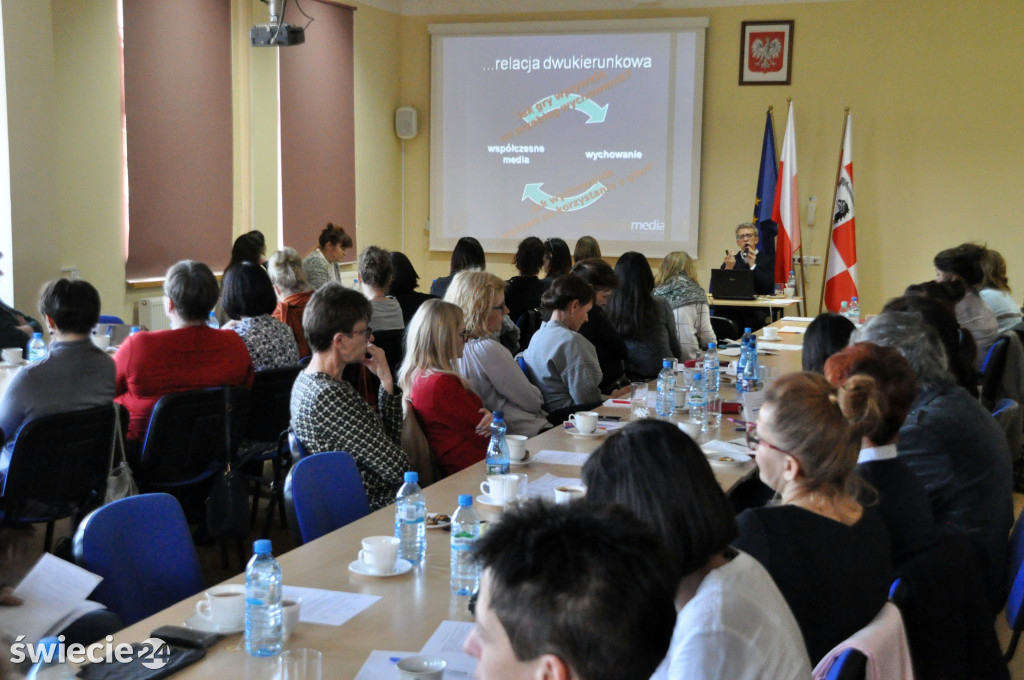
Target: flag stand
[{"x": 832, "y": 211}]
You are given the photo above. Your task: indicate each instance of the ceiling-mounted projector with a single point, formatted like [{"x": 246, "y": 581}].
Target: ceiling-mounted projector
[{"x": 276, "y": 33}]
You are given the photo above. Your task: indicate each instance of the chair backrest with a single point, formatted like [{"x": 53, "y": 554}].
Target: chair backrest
[
  {"x": 295, "y": 445},
  {"x": 270, "y": 403},
  {"x": 524, "y": 368},
  {"x": 185, "y": 439},
  {"x": 110, "y": 318},
  {"x": 992, "y": 370},
  {"x": 851, "y": 665},
  {"x": 1015, "y": 576},
  {"x": 324, "y": 492},
  {"x": 1010, "y": 417},
  {"x": 62, "y": 459},
  {"x": 143, "y": 549},
  {"x": 724, "y": 329},
  {"x": 393, "y": 344},
  {"x": 529, "y": 323}
]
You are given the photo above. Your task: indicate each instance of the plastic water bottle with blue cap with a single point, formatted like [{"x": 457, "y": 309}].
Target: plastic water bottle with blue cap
[
  {"x": 411, "y": 520},
  {"x": 263, "y": 602},
  {"x": 666, "y": 389},
  {"x": 465, "y": 571},
  {"x": 497, "y": 449}
]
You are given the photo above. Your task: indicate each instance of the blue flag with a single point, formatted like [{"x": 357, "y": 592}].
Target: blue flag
[{"x": 764, "y": 200}]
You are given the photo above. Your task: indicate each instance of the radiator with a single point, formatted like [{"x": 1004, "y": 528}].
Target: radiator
[{"x": 152, "y": 314}]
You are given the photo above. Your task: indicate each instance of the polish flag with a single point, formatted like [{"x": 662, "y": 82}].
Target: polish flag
[
  {"x": 786, "y": 212},
  {"x": 841, "y": 281}
]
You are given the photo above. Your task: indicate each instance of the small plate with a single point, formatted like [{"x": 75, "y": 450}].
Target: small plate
[
  {"x": 197, "y": 622},
  {"x": 727, "y": 459},
  {"x": 443, "y": 524},
  {"x": 522, "y": 463},
  {"x": 599, "y": 432},
  {"x": 401, "y": 566},
  {"x": 488, "y": 501}
]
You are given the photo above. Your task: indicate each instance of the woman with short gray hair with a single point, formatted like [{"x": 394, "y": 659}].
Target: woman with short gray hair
[{"x": 293, "y": 293}]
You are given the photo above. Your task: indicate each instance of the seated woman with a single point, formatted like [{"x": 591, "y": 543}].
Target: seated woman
[
  {"x": 563, "y": 363},
  {"x": 826, "y": 335},
  {"x": 490, "y": 369},
  {"x": 453, "y": 417},
  {"x": 901, "y": 497},
  {"x": 321, "y": 265},
  {"x": 611, "y": 350},
  {"x": 586, "y": 248},
  {"x": 403, "y": 286},
  {"x": 523, "y": 291},
  {"x": 375, "y": 276},
  {"x": 248, "y": 298},
  {"x": 963, "y": 263},
  {"x": 189, "y": 356},
  {"x": 828, "y": 554},
  {"x": 677, "y": 283},
  {"x": 733, "y": 622},
  {"x": 75, "y": 375},
  {"x": 293, "y": 293},
  {"x": 249, "y": 247},
  {"x": 328, "y": 414},
  {"x": 643, "y": 321},
  {"x": 557, "y": 260},
  {"x": 995, "y": 291},
  {"x": 467, "y": 254}
]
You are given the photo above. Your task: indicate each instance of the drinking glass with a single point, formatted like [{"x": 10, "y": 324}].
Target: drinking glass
[
  {"x": 638, "y": 400},
  {"x": 301, "y": 664},
  {"x": 714, "y": 412}
]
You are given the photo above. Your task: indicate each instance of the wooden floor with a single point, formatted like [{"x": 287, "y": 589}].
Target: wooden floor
[{"x": 20, "y": 548}]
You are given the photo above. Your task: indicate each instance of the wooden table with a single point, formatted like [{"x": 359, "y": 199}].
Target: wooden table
[
  {"x": 411, "y": 605},
  {"x": 769, "y": 302}
]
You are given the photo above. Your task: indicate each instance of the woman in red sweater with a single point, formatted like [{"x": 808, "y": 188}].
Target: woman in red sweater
[{"x": 452, "y": 416}]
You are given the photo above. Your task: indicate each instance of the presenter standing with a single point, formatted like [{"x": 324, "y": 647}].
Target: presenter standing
[{"x": 747, "y": 256}]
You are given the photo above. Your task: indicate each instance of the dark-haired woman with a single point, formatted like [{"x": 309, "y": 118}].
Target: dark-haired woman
[
  {"x": 321, "y": 265},
  {"x": 563, "y": 363},
  {"x": 404, "y": 281},
  {"x": 557, "y": 260},
  {"x": 733, "y": 622},
  {"x": 826, "y": 335},
  {"x": 611, "y": 350},
  {"x": 467, "y": 254},
  {"x": 249, "y": 247},
  {"x": 248, "y": 298},
  {"x": 995, "y": 291},
  {"x": 644, "y": 322},
  {"x": 523, "y": 291},
  {"x": 828, "y": 554},
  {"x": 963, "y": 263},
  {"x": 328, "y": 414},
  {"x": 75, "y": 375}
]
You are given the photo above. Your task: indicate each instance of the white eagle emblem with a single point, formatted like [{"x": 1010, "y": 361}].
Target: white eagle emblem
[{"x": 765, "y": 54}]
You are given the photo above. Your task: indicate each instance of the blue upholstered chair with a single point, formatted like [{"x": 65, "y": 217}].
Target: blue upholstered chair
[{"x": 324, "y": 492}]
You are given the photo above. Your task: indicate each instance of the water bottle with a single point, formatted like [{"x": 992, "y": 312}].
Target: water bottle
[
  {"x": 742, "y": 360},
  {"x": 211, "y": 320},
  {"x": 49, "y": 666},
  {"x": 749, "y": 381},
  {"x": 697, "y": 402},
  {"x": 134, "y": 330},
  {"x": 666, "y": 389},
  {"x": 497, "y": 449},
  {"x": 411, "y": 519},
  {"x": 711, "y": 368},
  {"x": 263, "y": 602},
  {"x": 747, "y": 334},
  {"x": 844, "y": 309},
  {"x": 465, "y": 575},
  {"x": 854, "y": 310},
  {"x": 36, "y": 348},
  {"x": 791, "y": 284}
]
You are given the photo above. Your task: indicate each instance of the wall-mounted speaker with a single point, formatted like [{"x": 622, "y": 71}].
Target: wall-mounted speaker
[{"x": 405, "y": 122}]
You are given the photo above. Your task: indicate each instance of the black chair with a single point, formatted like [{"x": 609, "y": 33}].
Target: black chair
[
  {"x": 724, "y": 329},
  {"x": 393, "y": 344},
  {"x": 851, "y": 665},
  {"x": 992, "y": 367},
  {"x": 185, "y": 442},
  {"x": 58, "y": 468},
  {"x": 529, "y": 323},
  {"x": 269, "y": 416}
]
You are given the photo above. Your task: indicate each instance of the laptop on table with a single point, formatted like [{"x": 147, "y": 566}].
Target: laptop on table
[{"x": 732, "y": 284}]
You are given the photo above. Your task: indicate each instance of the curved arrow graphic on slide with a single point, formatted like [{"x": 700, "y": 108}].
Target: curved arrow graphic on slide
[
  {"x": 595, "y": 113},
  {"x": 560, "y": 204}
]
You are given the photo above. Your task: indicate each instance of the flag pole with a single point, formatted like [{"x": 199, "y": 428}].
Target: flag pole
[
  {"x": 775, "y": 138},
  {"x": 832, "y": 210}
]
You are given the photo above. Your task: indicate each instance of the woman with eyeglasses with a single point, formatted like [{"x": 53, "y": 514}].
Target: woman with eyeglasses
[
  {"x": 452, "y": 416},
  {"x": 828, "y": 553},
  {"x": 485, "y": 363},
  {"x": 327, "y": 412}
]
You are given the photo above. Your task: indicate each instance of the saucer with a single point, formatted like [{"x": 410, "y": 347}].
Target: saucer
[
  {"x": 599, "y": 432},
  {"x": 401, "y": 566},
  {"x": 488, "y": 501},
  {"x": 522, "y": 463},
  {"x": 203, "y": 625},
  {"x": 442, "y": 524}
]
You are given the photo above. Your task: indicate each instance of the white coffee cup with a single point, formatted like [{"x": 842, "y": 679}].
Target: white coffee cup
[
  {"x": 567, "y": 494},
  {"x": 101, "y": 341},
  {"x": 223, "y": 606},
  {"x": 770, "y": 333},
  {"x": 12, "y": 355},
  {"x": 691, "y": 428},
  {"x": 289, "y": 616},
  {"x": 516, "y": 447},
  {"x": 502, "y": 489},
  {"x": 379, "y": 553},
  {"x": 421, "y": 667},
  {"x": 585, "y": 421}
]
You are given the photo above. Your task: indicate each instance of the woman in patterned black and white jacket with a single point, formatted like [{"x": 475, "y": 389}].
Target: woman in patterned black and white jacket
[{"x": 328, "y": 414}]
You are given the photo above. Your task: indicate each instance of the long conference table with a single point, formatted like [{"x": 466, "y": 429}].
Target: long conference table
[{"x": 412, "y": 605}]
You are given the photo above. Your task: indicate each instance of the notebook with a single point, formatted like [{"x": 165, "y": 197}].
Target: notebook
[{"x": 732, "y": 284}]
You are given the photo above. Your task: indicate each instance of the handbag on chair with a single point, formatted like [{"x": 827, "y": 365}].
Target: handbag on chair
[
  {"x": 414, "y": 443},
  {"x": 227, "y": 508},
  {"x": 120, "y": 481}
]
